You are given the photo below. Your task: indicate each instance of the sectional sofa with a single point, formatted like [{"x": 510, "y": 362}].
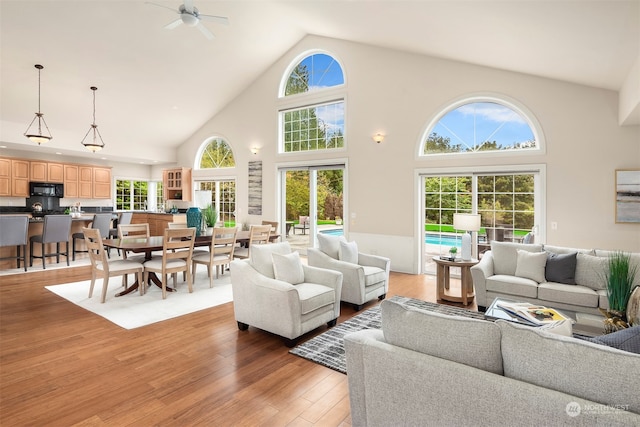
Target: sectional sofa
[
  {"x": 424, "y": 368},
  {"x": 568, "y": 279}
]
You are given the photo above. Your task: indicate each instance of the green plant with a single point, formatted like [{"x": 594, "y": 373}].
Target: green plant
[
  {"x": 619, "y": 275},
  {"x": 210, "y": 215},
  {"x": 453, "y": 250}
]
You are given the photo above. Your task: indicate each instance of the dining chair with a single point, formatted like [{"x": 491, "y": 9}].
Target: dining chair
[
  {"x": 132, "y": 230},
  {"x": 124, "y": 218},
  {"x": 101, "y": 222},
  {"x": 174, "y": 225},
  {"x": 174, "y": 258},
  {"x": 14, "y": 230},
  {"x": 56, "y": 229},
  {"x": 258, "y": 234},
  {"x": 223, "y": 242},
  {"x": 274, "y": 226},
  {"x": 102, "y": 267}
]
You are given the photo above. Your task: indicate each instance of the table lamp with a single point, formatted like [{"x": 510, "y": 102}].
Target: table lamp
[{"x": 468, "y": 223}]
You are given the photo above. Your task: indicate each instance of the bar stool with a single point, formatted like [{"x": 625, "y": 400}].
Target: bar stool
[
  {"x": 101, "y": 222},
  {"x": 56, "y": 229},
  {"x": 13, "y": 232}
]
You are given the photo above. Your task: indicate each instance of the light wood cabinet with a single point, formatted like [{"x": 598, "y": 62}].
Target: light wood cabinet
[
  {"x": 101, "y": 183},
  {"x": 85, "y": 182},
  {"x": 5, "y": 177},
  {"x": 158, "y": 222},
  {"x": 55, "y": 172},
  {"x": 38, "y": 171},
  {"x": 177, "y": 184},
  {"x": 20, "y": 178},
  {"x": 71, "y": 181}
]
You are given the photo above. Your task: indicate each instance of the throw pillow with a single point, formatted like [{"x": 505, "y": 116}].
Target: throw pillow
[
  {"x": 288, "y": 268},
  {"x": 330, "y": 245},
  {"x": 561, "y": 268},
  {"x": 348, "y": 252},
  {"x": 591, "y": 271},
  {"x": 261, "y": 259},
  {"x": 626, "y": 339},
  {"x": 531, "y": 265}
]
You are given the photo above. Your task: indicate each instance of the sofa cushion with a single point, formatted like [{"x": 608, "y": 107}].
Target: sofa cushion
[
  {"x": 512, "y": 285},
  {"x": 373, "y": 275},
  {"x": 561, "y": 268},
  {"x": 531, "y": 265},
  {"x": 505, "y": 257},
  {"x": 574, "y": 295},
  {"x": 261, "y": 259},
  {"x": 463, "y": 340},
  {"x": 314, "y": 296},
  {"x": 288, "y": 268},
  {"x": 626, "y": 339},
  {"x": 348, "y": 252},
  {"x": 591, "y": 270},
  {"x": 564, "y": 250},
  {"x": 566, "y": 365},
  {"x": 330, "y": 245}
]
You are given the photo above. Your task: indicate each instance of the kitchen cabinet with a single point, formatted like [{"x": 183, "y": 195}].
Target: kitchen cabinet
[
  {"x": 158, "y": 222},
  {"x": 20, "y": 178},
  {"x": 5, "y": 177},
  {"x": 85, "y": 182},
  {"x": 101, "y": 183},
  {"x": 55, "y": 172},
  {"x": 46, "y": 172},
  {"x": 177, "y": 184},
  {"x": 71, "y": 181}
]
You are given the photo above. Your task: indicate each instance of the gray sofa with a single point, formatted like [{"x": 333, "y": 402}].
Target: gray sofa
[
  {"x": 424, "y": 368},
  {"x": 568, "y": 279}
]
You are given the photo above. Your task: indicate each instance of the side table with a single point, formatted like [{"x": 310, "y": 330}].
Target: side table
[{"x": 467, "y": 292}]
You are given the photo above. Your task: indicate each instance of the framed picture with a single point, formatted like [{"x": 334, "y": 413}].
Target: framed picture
[{"x": 628, "y": 195}]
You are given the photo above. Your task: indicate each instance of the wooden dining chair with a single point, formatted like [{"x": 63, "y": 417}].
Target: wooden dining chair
[
  {"x": 101, "y": 266},
  {"x": 223, "y": 242},
  {"x": 177, "y": 250},
  {"x": 274, "y": 226},
  {"x": 258, "y": 234},
  {"x": 132, "y": 230}
]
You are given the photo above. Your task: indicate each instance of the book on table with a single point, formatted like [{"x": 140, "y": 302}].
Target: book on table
[{"x": 534, "y": 314}]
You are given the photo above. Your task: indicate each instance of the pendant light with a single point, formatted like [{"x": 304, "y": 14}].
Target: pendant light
[
  {"x": 95, "y": 142},
  {"x": 34, "y": 134}
]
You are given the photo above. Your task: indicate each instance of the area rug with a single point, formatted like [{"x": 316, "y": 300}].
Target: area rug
[
  {"x": 133, "y": 311},
  {"x": 327, "y": 349}
]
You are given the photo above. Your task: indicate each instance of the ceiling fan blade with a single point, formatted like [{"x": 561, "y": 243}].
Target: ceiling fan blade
[
  {"x": 188, "y": 6},
  {"x": 208, "y": 34},
  {"x": 163, "y": 6},
  {"x": 174, "y": 24},
  {"x": 219, "y": 19}
]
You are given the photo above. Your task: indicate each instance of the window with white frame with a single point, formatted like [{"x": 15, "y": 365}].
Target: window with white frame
[
  {"x": 217, "y": 153},
  {"x": 223, "y": 198},
  {"x": 312, "y": 121}
]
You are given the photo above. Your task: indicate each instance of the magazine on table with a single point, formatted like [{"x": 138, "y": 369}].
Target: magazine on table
[{"x": 534, "y": 314}]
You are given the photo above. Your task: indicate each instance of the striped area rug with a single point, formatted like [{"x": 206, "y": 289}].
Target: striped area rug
[{"x": 327, "y": 349}]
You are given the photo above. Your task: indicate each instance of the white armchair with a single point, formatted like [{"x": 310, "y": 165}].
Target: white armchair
[
  {"x": 274, "y": 291},
  {"x": 365, "y": 277}
]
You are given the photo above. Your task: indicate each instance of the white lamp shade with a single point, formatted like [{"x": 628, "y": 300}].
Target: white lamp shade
[
  {"x": 466, "y": 222},
  {"x": 203, "y": 198}
]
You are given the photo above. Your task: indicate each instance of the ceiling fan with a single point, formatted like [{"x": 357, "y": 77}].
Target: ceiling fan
[{"x": 190, "y": 16}]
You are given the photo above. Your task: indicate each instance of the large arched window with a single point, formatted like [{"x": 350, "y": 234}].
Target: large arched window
[
  {"x": 481, "y": 124},
  {"x": 216, "y": 154},
  {"x": 314, "y": 120}
]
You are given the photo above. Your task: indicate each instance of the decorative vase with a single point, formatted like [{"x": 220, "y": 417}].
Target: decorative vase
[
  {"x": 194, "y": 219},
  {"x": 633, "y": 307},
  {"x": 614, "y": 320}
]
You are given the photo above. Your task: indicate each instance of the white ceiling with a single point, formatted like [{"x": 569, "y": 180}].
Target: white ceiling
[{"x": 156, "y": 87}]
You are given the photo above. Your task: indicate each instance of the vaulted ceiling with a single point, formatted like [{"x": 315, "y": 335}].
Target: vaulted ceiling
[{"x": 156, "y": 87}]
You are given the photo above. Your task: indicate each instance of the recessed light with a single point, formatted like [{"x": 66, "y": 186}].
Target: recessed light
[
  {"x": 58, "y": 153},
  {"x": 3, "y": 146}
]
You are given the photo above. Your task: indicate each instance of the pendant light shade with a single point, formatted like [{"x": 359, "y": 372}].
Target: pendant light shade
[
  {"x": 34, "y": 132},
  {"x": 94, "y": 142}
]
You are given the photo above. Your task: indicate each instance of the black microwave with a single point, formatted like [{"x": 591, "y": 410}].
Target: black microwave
[{"x": 46, "y": 189}]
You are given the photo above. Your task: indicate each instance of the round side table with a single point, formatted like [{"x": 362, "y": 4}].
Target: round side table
[{"x": 467, "y": 292}]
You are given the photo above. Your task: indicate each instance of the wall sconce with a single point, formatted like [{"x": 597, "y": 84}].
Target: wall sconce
[
  {"x": 254, "y": 150},
  {"x": 378, "y": 138}
]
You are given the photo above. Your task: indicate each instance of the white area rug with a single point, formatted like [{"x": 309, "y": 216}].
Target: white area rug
[{"x": 133, "y": 311}]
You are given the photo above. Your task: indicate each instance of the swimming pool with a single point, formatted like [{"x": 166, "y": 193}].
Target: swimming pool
[{"x": 429, "y": 238}]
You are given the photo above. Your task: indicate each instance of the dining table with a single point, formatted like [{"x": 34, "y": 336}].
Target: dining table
[{"x": 147, "y": 245}]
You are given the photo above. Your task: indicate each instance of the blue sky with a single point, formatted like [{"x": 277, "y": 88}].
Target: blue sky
[
  {"x": 324, "y": 71},
  {"x": 472, "y": 124}
]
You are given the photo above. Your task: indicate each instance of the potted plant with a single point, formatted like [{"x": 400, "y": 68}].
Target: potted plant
[
  {"x": 209, "y": 216},
  {"x": 453, "y": 250},
  {"x": 619, "y": 276}
]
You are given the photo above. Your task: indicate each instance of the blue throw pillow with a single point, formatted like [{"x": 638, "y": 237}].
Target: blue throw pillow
[{"x": 625, "y": 339}]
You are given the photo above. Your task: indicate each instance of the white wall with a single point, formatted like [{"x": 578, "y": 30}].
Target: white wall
[{"x": 397, "y": 93}]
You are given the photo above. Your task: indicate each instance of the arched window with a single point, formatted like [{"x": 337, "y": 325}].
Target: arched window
[
  {"x": 217, "y": 154},
  {"x": 314, "y": 119},
  {"x": 481, "y": 125}
]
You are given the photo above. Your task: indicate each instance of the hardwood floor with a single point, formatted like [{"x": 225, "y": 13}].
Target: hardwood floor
[{"x": 61, "y": 365}]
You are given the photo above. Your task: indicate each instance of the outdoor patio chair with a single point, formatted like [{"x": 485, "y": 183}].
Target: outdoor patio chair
[{"x": 303, "y": 224}]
